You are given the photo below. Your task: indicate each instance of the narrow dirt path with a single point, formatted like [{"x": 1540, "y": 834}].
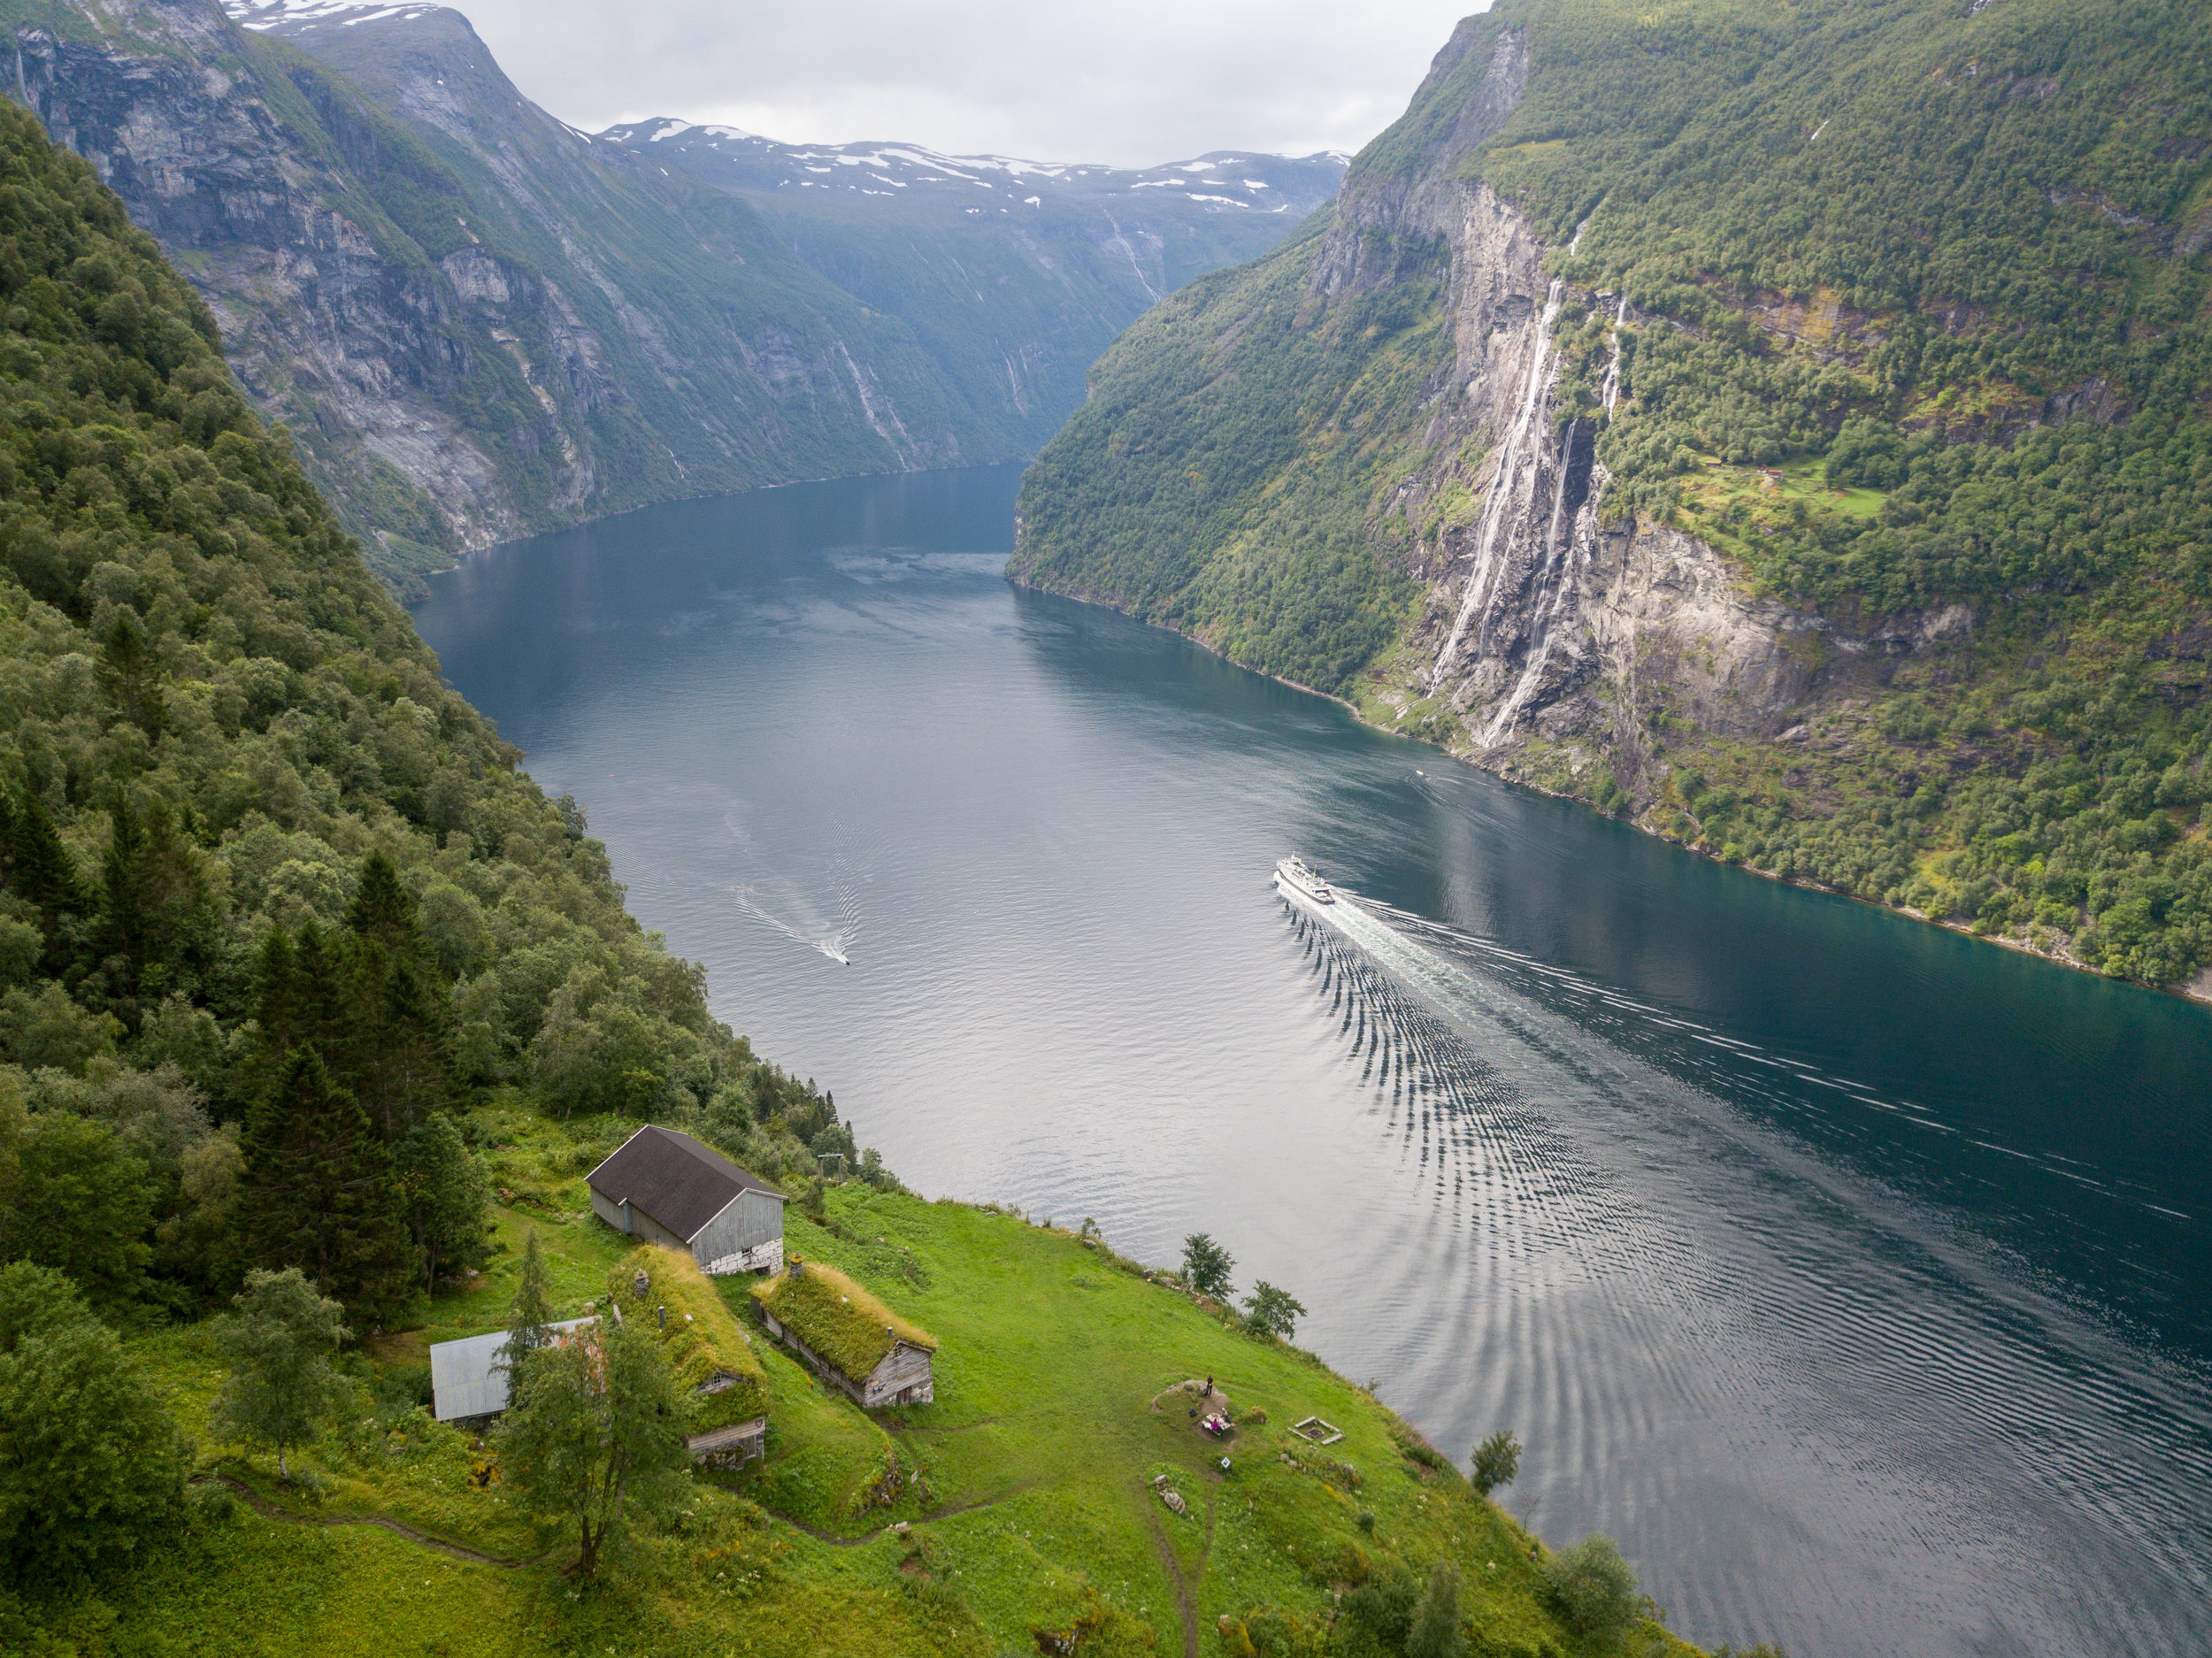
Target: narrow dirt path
[
  {"x": 261, "y": 1505},
  {"x": 1175, "y": 1576}
]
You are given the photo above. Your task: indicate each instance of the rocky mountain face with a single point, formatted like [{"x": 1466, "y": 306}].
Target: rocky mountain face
[
  {"x": 1721, "y": 522},
  {"x": 1015, "y": 275},
  {"x": 477, "y": 322}
]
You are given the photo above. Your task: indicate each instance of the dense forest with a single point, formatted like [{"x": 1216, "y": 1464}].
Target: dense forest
[
  {"x": 1919, "y": 316},
  {"x": 275, "y": 904}
]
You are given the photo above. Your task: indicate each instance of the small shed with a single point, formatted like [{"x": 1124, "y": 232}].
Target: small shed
[
  {"x": 848, "y": 1336},
  {"x": 468, "y": 1379},
  {"x": 662, "y": 1186},
  {"x": 723, "y": 1383}
]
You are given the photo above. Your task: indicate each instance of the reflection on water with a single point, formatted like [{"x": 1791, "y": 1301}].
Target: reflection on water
[{"x": 1850, "y": 1273}]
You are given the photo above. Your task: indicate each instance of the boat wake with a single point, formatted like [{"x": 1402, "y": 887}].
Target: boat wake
[
  {"x": 1642, "y": 1256},
  {"x": 817, "y": 907}
]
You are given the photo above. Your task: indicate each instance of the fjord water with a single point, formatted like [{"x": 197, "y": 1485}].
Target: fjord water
[{"x": 1852, "y": 1274}]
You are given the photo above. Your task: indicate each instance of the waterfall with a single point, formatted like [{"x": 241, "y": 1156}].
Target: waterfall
[
  {"x": 1515, "y": 465},
  {"x": 1551, "y": 596},
  {"x": 1613, "y": 368}
]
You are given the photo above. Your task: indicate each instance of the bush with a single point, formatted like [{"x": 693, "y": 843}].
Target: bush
[
  {"x": 1434, "y": 1630},
  {"x": 91, "y": 1465},
  {"x": 1596, "y": 1588}
]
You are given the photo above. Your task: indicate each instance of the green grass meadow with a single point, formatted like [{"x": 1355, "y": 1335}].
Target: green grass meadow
[{"x": 1026, "y": 1491}]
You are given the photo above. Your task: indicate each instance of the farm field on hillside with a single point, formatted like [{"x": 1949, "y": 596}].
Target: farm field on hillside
[{"x": 1024, "y": 1507}]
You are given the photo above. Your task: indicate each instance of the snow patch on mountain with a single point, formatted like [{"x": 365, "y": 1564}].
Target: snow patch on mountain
[{"x": 268, "y": 14}]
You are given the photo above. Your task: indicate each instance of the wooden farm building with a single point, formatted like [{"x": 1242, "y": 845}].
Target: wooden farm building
[
  {"x": 723, "y": 1383},
  {"x": 469, "y": 1379},
  {"x": 848, "y": 1336},
  {"x": 663, "y": 1187}
]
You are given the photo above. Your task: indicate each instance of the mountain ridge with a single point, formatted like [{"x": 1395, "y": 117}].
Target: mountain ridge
[
  {"x": 477, "y": 322},
  {"x": 1606, "y": 436}
]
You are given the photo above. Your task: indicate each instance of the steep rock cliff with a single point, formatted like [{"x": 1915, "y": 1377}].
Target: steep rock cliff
[
  {"x": 475, "y": 326},
  {"x": 477, "y": 322},
  {"x": 1620, "y": 434}
]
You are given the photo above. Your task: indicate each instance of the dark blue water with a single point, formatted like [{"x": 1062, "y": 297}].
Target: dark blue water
[{"x": 1852, "y": 1273}]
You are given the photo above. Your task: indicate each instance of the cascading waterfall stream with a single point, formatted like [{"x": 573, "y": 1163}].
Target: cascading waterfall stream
[
  {"x": 1514, "y": 468},
  {"x": 1613, "y": 368},
  {"x": 1558, "y": 580}
]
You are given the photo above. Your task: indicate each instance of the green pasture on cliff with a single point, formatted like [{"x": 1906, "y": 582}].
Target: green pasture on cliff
[{"x": 1028, "y": 1494}]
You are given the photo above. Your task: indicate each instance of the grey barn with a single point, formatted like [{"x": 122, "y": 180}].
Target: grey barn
[
  {"x": 667, "y": 1188},
  {"x": 469, "y": 1377}
]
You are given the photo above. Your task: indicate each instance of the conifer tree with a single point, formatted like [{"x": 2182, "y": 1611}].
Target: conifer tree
[
  {"x": 301, "y": 1002},
  {"x": 447, "y": 1193},
  {"x": 39, "y": 870},
  {"x": 530, "y": 1314},
  {"x": 319, "y": 1192},
  {"x": 131, "y": 674},
  {"x": 398, "y": 1054},
  {"x": 155, "y": 925}
]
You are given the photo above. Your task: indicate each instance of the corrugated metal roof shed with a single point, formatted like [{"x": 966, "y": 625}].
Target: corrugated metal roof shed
[
  {"x": 668, "y": 1175},
  {"x": 466, "y": 1378}
]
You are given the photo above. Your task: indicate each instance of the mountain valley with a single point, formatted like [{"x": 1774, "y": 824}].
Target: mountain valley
[
  {"x": 477, "y": 322},
  {"x": 1641, "y": 425}
]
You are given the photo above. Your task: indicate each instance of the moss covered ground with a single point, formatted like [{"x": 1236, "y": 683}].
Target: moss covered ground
[{"x": 1026, "y": 1492}]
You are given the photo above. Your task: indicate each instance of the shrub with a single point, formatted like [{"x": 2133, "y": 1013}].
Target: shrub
[
  {"x": 1596, "y": 1588},
  {"x": 91, "y": 1465},
  {"x": 1434, "y": 1630}
]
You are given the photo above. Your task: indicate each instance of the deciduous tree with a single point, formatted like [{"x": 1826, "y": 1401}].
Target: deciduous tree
[
  {"x": 594, "y": 1433},
  {"x": 1434, "y": 1630},
  {"x": 1596, "y": 1588},
  {"x": 282, "y": 1386},
  {"x": 73, "y": 1196},
  {"x": 1206, "y": 1265},
  {"x": 1273, "y": 1311},
  {"x": 91, "y": 1466},
  {"x": 1497, "y": 1462}
]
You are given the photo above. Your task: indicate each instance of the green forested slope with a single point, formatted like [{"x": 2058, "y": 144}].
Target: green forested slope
[
  {"x": 297, "y": 970},
  {"x": 271, "y": 895},
  {"x": 1944, "y": 268}
]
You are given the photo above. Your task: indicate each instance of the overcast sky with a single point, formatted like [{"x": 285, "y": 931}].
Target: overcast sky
[{"x": 1135, "y": 83}]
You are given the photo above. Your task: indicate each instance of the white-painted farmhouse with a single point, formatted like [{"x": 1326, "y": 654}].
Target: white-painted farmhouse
[{"x": 665, "y": 1188}]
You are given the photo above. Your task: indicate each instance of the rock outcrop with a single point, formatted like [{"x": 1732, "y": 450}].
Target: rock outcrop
[{"x": 1544, "y": 623}]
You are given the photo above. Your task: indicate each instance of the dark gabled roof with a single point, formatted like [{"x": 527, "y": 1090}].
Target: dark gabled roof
[{"x": 673, "y": 1180}]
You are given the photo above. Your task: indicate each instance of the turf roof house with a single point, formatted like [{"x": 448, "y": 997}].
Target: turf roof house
[
  {"x": 848, "y": 1336},
  {"x": 665, "y": 1188}
]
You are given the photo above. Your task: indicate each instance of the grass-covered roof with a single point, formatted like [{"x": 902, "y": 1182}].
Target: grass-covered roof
[
  {"x": 838, "y": 1319},
  {"x": 701, "y": 1338}
]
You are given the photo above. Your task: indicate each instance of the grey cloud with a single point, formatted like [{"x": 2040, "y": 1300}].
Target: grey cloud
[{"x": 1138, "y": 83}]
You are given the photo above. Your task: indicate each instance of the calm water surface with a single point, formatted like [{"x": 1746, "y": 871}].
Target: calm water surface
[{"x": 1852, "y": 1275}]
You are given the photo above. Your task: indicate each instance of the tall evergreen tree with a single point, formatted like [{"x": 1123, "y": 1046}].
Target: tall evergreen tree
[
  {"x": 132, "y": 674},
  {"x": 157, "y": 919},
  {"x": 449, "y": 1194},
  {"x": 39, "y": 870},
  {"x": 302, "y": 1001},
  {"x": 398, "y": 1057},
  {"x": 319, "y": 1192}
]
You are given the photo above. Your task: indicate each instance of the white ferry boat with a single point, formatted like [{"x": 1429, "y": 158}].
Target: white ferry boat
[{"x": 1293, "y": 879}]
